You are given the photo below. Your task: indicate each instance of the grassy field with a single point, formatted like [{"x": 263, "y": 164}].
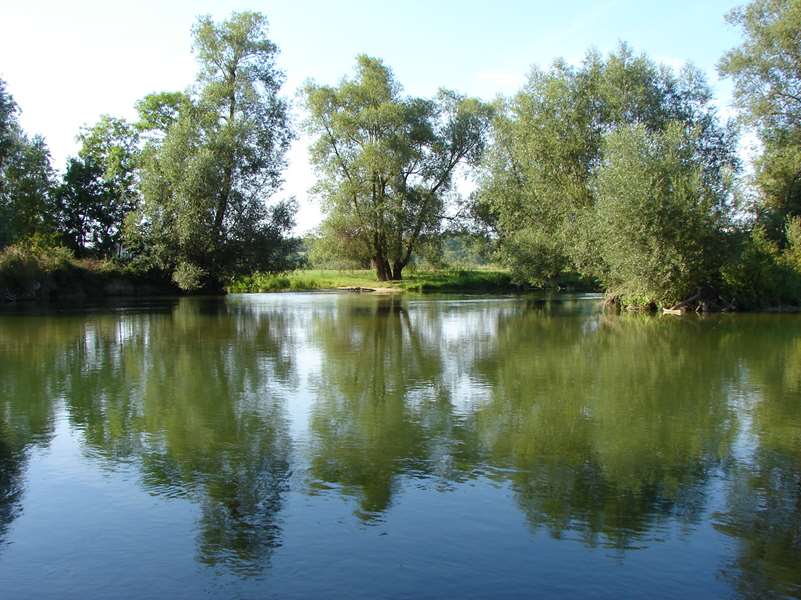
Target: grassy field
[{"x": 487, "y": 281}]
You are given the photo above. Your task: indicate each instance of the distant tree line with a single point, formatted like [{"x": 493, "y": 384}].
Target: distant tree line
[{"x": 617, "y": 169}]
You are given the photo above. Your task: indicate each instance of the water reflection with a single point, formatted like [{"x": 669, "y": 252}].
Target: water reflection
[
  {"x": 612, "y": 424},
  {"x": 763, "y": 507},
  {"x": 31, "y": 360},
  {"x": 187, "y": 397},
  {"x": 621, "y": 432},
  {"x": 379, "y": 381}
]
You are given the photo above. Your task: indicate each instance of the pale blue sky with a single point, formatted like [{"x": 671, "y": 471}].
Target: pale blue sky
[{"x": 67, "y": 62}]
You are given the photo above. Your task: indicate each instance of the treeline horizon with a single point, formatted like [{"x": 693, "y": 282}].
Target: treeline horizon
[{"x": 618, "y": 170}]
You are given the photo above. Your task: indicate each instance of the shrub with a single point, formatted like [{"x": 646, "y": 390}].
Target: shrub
[
  {"x": 26, "y": 268},
  {"x": 760, "y": 275},
  {"x": 189, "y": 276}
]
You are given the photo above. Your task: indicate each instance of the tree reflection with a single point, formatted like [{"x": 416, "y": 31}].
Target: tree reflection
[
  {"x": 378, "y": 379},
  {"x": 763, "y": 509},
  {"x": 31, "y": 378},
  {"x": 192, "y": 397},
  {"x": 612, "y": 424}
]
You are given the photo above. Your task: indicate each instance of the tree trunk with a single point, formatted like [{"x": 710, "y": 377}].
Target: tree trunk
[
  {"x": 228, "y": 175},
  {"x": 382, "y": 270},
  {"x": 397, "y": 270}
]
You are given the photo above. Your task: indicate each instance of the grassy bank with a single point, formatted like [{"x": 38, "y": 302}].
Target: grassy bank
[
  {"x": 444, "y": 281},
  {"x": 32, "y": 272},
  {"x": 420, "y": 281}
]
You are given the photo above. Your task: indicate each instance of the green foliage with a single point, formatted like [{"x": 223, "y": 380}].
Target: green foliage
[
  {"x": 337, "y": 244},
  {"x": 99, "y": 188},
  {"x": 41, "y": 250},
  {"x": 386, "y": 161},
  {"x": 766, "y": 69},
  {"x": 761, "y": 275},
  {"x": 792, "y": 253},
  {"x": 26, "y": 189},
  {"x": 25, "y": 266},
  {"x": 26, "y": 177},
  {"x": 453, "y": 280},
  {"x": 214, "y": 158},
  {"x": 158, "y": 112},
  {"x": 458, "y": 280},
  {"x": 90, "y": 204},
  {"x": 39, "y": 267},
  {"x": 8, "y": 124},
  {"x": 189, "y": 277},
  {"x": 271, "y": 282},
  {"x": 538, "y": 190},
  {"x": 79, "y": 198},
  {"x": 778, "y": 177},
  {"x": 656, "y": 227},
  {"x": 113, "y": 143},
  {"x": 455, "y": 248}
]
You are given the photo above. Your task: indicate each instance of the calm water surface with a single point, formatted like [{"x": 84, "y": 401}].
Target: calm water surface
[{"x": 316, "y": 445}]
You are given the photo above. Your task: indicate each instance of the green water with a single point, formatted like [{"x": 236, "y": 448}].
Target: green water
[{"x": 321, "y": 445}]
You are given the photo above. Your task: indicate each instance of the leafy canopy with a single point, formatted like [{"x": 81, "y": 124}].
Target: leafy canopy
[
  {"x": 100, "y": 187},
  {"x": 656, "y": 225},
  {"x": 214, "y": 157},
  {"x": 538, "y": 189},
  {"x": 26, "y": 177}
]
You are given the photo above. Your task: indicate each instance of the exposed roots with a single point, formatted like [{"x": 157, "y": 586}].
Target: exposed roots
[{"x": 703, "y": 301}]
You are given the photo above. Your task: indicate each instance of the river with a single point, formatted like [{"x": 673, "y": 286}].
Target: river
[{"x": 334, "y": 445}]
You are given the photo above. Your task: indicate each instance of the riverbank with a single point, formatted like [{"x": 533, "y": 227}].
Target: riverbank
[
  {"x": 421, "y": 281},
  {"x": 485, "y": 281},
  {"x": 44, "y": 274}
]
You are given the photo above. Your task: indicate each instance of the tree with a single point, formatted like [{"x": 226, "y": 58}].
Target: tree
[
  {"x": 26, "y": 200},
  {"x": 100, "y": 187},
  {"x": 205, "y": 185},
  {"x": 657, "y": 225},
  {"x": 337, "y": 244},
  {"x": 8, "y": 123},
  {"x": 766, "y": 70},
  {"x": 158, "y": 112},
  {"x": 78, "y": 197},
  {"x": 538, "y": 182},
  {"x": 26, "y": 177},
  {"x": 387, "y": 161}
]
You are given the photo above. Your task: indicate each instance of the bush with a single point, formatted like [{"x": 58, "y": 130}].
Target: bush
[
  {"x": 761, "y": 275},
  {"x": 267, "y": 282},
  {"x": 189, "y": 276},
  {"x": 26, "y": 268}
]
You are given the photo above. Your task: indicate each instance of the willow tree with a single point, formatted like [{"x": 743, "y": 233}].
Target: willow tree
[
  {"x": 539, "y": 188},
  {"x": 658, "y": 223},
  {"x": 387, "y": 161},
  {"x": 208, "y": 176},
  {"x": 8, "y": 120}
]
